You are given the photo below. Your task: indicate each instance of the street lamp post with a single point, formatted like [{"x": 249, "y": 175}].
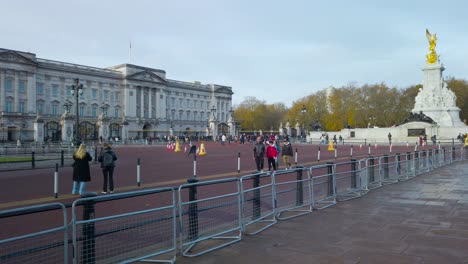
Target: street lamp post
[
  {"x": 76, "y": 91},
  {"x": 303, "y": 111}
]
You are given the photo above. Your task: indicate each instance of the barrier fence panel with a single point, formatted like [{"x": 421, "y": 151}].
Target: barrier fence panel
[
  {"x": 410, "y": 169},
  {"x": 35, "y": 241},
  {"x": 104, "y": 232},
  {"x": 390, "y": 169},
  {"x": 258, "y": 202},
  {"x": 323, "y": 185},
  {"x": 293, "y": 193},
  {"x": 346, "y": 180},
  {"x": 362, "y": 176},
  {"x": 212, "y": 220},
  {"x": 373, "y": 170}
]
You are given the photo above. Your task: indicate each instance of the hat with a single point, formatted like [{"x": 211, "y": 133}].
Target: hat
[{"x": 106, "y": 146}]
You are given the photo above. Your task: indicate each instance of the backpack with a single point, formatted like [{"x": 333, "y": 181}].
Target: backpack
[{"x": 107, "y": 159}]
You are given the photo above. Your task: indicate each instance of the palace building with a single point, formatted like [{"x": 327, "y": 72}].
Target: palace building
[{"x": 40, "y": 98}]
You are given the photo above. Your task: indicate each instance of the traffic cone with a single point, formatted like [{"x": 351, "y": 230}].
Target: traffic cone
[
  {"x": 177, "y": 146},
  {"x": 202, "y": 149},
  {"x": 331, "y": 147}
]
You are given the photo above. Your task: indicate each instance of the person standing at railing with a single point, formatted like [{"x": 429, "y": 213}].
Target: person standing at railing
[
  {"x": 259, "y": 153},
  {"x": 107, "y": 160},
  {"x": 81, "y": 171}
]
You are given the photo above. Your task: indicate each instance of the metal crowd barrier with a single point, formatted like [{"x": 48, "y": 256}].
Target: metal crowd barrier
[
  {"x": 216, "y": 217},
  {"x": 40, "y": 244},
  {"x": 323, "y": 185},
  {"x": 293, "y": 193},
  {"x": 211, "y": 214},
  {"x": 347, "y": 182},
  {"x": 122, "y": 237},
  {"x": 258, "y": 202}
]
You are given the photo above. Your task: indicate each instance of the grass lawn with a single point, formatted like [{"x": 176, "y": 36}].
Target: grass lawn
[{"x": 14, "y": 159}]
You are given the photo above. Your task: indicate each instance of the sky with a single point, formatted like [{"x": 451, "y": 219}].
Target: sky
[{"x": 276, "y": 51}]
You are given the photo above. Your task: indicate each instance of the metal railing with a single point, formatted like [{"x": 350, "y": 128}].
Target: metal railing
[{"x": 207, "y": 215}]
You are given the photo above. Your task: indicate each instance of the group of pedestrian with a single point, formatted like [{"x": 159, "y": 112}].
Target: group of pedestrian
[
  {"x": 271, "y": 149},
  {"x": 82, "y": 172}
]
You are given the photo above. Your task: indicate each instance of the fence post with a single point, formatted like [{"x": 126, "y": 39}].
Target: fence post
[
  {"x": 385, "y": 166},
  {"x": 88, "y": 249},
  {"x": 371, "y": 169},
  {"x": 193, "y": 209},
  {"x": 398, "y": 164},
  {"x": 416, "y": 162},
  {"x": 238, "y": 163},
  {"x": 56, "y": 181},
  {"x": 62, "y": 158},
  {"x": 369, "y": 151},
  {"x": 138, "y": 173},
  {"x": 408, "y": 163},
  {"x": 256, "y": 197},
  {"x": 353, "y": 173},
  {"x": 330, "y": 179},
  {"x": 318, "y": 154},
  {"x": 351, "y": 151},
  {"x": 33, "y": 160},
  {"x": 299, "y": 188}
]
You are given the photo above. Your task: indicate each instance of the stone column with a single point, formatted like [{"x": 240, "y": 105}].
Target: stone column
[
  {"x": 142, "y": 102},
  {"x": 103, "y": 127},
  {"x": 150, "y": 103},
  {"x": 67, "y": 128},
  {"x": 124, "y": 135},
  {"x": 39, "y": 130},
  {"x": 16, "y": 92},
  {"x": 31, "y": 92},
  {"x": 2, "y": 89}
]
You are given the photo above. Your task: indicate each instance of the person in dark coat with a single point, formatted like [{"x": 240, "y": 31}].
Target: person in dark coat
[
  {"x": 81, "y": 171},
  {"x": 107, "y": 160}
]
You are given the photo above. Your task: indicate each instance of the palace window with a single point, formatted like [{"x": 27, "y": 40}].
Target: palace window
[
  {"x": 40, "y": 88},
  {"x": 22, "y": 86}
]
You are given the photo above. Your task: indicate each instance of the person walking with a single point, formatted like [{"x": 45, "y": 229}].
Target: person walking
[
  {"x": 81, "y": 171},
  {"x": 287, "y": 153},
  {"x": 271, "y": 154},
  {"x": 107, "y": 160},
  {"x": 389, "y": 138},
  {"x": 259, "y": 153}
]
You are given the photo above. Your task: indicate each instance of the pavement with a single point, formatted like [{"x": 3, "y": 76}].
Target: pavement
[{"x": 421, "y": 220}]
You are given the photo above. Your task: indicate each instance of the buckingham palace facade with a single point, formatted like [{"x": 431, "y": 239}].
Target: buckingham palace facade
[{"x": 38, "y": 102}]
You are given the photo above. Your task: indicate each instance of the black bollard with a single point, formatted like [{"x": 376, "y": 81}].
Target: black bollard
[
  {"x": 398, "y": 163},
  {"x": 62, "y": 158},
  {"x": 299, "y": 188},
  {"x": 256, "y": 210},
  {"x": 330, "y": 178},
  {"x": 371, "y": 169},
  {"x": 88, "y": 249},
  {"x": 453, "y": 153},
  {"x": 385, "y": 166},
  {"x": 353, "y": 174},
  {"x": 33, "y": 160},
  {"x": 193, "y": 210}
]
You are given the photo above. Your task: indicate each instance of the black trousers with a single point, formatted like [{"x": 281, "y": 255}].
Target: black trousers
[
  {"x": 108, "y": 173},
  {"x": 271, "y": 163},
  {"x": 259, "y": 162}
]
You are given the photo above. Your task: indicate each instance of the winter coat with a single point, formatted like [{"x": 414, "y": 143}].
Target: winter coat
[
  {"x": 101, "y": 157},
  {"x": 81, "y": 170},
  {"x": 287, "y": 150},
  {"x": 271, "y": 152},
  {"x": 259, "y": 150}
]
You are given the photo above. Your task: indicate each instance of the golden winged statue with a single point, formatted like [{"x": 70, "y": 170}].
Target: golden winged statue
[{"x": 432, "y": 56}]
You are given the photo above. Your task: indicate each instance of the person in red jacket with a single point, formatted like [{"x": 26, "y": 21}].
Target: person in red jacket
[{"x": 271, "y": 154}]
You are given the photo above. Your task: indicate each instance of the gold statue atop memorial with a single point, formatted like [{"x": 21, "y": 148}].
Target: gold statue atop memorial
[{"x": 432, "y": 56}]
